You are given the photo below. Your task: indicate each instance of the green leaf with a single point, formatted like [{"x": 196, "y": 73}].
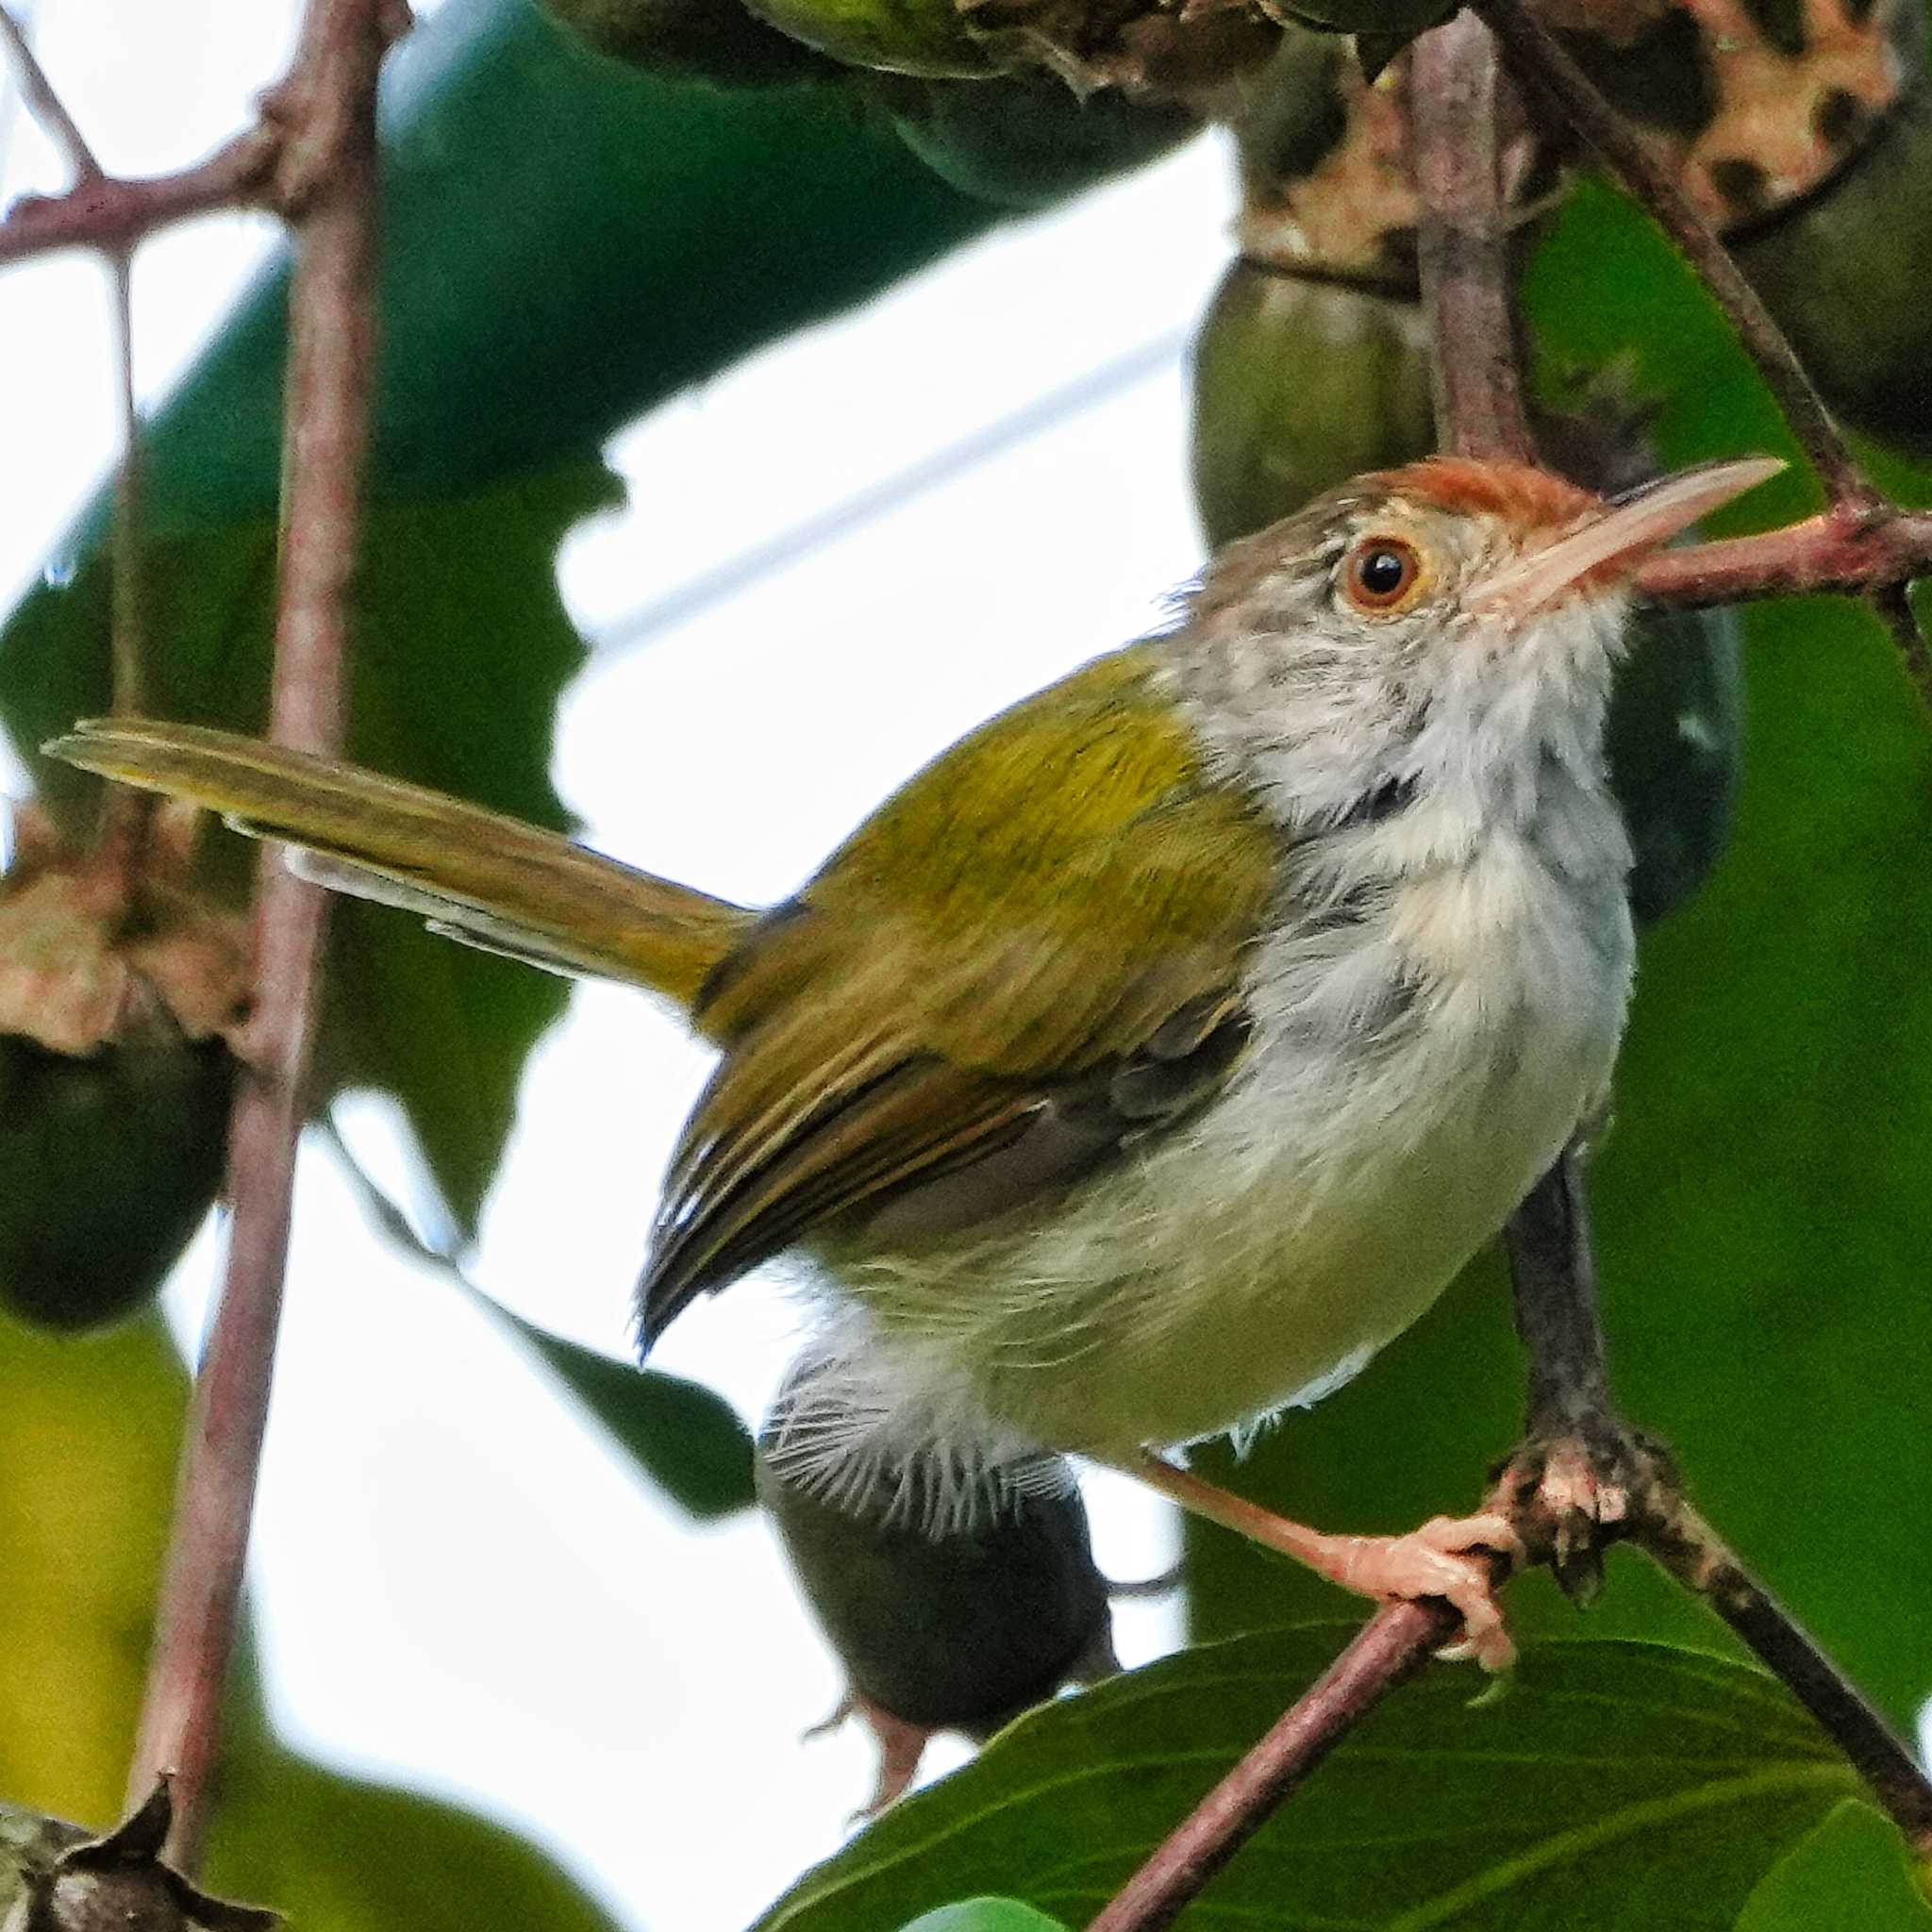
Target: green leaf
[
  {"x": 1615, "y": 1786},
  {"x": 1851, "y": 1871},
  {"x": 985, "y": 1915},
  {"x": 685, "y": 1437}
]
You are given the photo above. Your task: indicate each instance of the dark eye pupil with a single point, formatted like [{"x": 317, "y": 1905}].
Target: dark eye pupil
[{"x": 1382, "y": 572}]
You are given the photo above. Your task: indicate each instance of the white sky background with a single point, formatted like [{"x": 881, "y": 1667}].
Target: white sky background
[{"x": 460, "y": 1590}]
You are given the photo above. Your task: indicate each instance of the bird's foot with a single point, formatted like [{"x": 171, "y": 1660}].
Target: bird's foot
[
  {"x": 1445, "y": 1557},
  {"x": 902, "y": 1749},
  {"x": 1572, "y": 1485},
  {"x": 1452, "y": 1557}
]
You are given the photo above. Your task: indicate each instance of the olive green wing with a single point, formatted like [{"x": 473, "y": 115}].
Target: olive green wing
[{"x": 1028, "y": 959}]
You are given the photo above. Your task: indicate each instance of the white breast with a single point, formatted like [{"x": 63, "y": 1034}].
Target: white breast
[{"x": 1410, "y": 1075}]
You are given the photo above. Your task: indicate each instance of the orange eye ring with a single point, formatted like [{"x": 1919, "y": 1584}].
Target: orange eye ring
[{"x": 1381, "y": 575}]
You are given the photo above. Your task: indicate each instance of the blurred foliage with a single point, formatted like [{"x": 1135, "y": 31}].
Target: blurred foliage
[
  {"x": 1613, "y": 1784},
  {"x": 88, "y": 1438},
  {"x": 463, "y": 649},
  {"x": 516, "y": 265}
]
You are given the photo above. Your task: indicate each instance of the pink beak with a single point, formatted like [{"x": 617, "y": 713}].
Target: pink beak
[{"x": 1615, "y": 541}]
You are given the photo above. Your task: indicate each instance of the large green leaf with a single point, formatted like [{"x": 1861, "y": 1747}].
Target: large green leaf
[
  {"x": 1616, "y": 1785},
  {"x": 88, "y": 1435},
  {"x": 1761, "y": 1201}
]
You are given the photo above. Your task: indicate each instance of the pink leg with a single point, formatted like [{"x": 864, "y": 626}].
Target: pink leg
[
  {"x": 902, "y": 1746},
  {"x": 1441, "y": 1558}
]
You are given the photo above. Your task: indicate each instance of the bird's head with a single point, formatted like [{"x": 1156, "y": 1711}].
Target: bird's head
[{"x": 1452, "y": 614}]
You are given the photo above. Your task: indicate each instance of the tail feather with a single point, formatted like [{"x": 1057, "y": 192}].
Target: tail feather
[{"x": 476, "y": 874}]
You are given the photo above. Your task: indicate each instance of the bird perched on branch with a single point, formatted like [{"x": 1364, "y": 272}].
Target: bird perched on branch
[{"x": 1162, "y": 1049}]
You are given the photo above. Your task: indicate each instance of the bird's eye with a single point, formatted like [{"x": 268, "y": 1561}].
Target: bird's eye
[{"x": 1380, "y": 574}]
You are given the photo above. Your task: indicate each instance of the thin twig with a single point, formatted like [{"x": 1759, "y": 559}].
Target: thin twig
[
  {"x": 44, "y": 104},
  {"x": 1893, "y": 605},
  {"x": 328, "y": 106},
  {"x": 126, "y": 812},
  {"x": 1390, "y": 1648},
  {"x": 1669, "y": 1530},
  {"x": 1842, "y": 550},
  {"x": 1542, "y": 65},
  {"x": 1473, "y": 360}
]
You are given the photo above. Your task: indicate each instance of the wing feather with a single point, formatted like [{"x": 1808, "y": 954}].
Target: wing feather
[{"x": 886, "y": 1069}]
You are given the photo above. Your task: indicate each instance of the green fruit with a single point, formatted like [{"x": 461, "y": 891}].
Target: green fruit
[
  {"x": 1298, "y": 386},
  {"x": 923, "y": 37},
  {"x": 1025, "y": 144},
  {"x": 111, "y": 1162},
  {"x": 713, "y": 40},
  {"x": 1844, "y": 273},
  {"x": 958, "y": 1630}
]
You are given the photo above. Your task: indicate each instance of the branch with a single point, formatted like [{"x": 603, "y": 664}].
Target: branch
[
  {"x": 110, "y": 213},
  {"x": 1472, "y": 355},
  {"x": 44, "y": 103},
  {"x": 1390, "y": 1647},
  {"x": 1671, "y": 1532},
  {"x": 328, "y": 110},
  {"x": 1543, "y": 65}
]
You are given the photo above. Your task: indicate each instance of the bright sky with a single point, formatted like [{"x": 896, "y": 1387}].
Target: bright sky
[{"x": 459, "y": 1588}]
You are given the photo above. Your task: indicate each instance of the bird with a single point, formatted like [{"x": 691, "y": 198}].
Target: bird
[{"x": 1162, "y": 1049}]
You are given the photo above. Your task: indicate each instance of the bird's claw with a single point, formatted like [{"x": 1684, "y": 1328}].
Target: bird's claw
[{"x": 1451, "y": 1558}]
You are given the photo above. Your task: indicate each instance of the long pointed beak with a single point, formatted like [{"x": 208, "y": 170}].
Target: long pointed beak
[{"x": 1612, "y": 543}]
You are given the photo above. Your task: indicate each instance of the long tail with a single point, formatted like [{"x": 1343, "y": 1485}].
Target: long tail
[{"x": 478, "y": 875}]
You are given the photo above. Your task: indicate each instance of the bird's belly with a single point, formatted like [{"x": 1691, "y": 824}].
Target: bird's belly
[{"x": 1262, "y": 1251}]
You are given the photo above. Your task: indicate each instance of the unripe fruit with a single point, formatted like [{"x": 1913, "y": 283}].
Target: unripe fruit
[
  {"x": 1299, "y": 384},
  {"x": 112, "y": 1161},
  {"x": 1025, "y": 144},
  {"x": 922, "y": 37},
  {"x": 1676, "y": 743},
  {"x": 1845, "y": 275},
  {"x": 118, "y": 988},
  {"x": 939, "y": 1625},
  {"x": 712, "y": 40}
]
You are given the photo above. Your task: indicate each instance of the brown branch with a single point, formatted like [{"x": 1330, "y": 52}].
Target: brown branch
[
  {"x": 1472, "y": 359},
  {"x": 327, "y": 108},
  {"x": 1390, "y": 1647},
  {"x": 1669, "y": 1530},
  {"x": 112, "y": 214},
  {"x": 1543, "y": 65}
]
